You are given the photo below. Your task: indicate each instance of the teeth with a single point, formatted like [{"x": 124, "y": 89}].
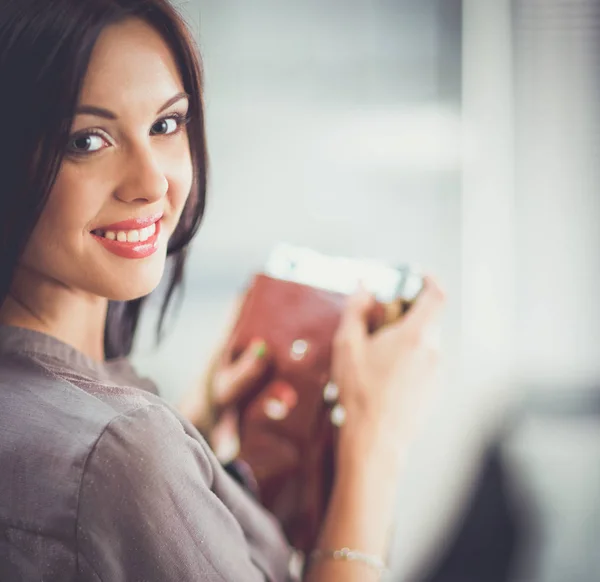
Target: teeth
[{"x": 131, "y": 236}]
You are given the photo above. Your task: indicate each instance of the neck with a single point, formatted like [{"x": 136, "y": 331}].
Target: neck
[{"x": 72, "y": 316}]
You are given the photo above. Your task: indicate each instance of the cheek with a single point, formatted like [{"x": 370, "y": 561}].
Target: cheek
[
  {"x": 181, "y": 179},
  {"x": 63, "y": 223},
  {"x": 77, "y": 197}
]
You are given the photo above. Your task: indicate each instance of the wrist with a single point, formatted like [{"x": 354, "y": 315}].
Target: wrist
[{"x": 360, "y": 514}]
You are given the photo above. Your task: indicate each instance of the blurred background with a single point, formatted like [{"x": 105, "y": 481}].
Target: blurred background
[{"x": 460, "y": 136}]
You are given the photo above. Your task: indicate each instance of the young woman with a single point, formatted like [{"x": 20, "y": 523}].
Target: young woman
[{"x": 103, "y": 178}]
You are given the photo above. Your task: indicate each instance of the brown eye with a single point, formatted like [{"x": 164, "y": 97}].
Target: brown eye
[
  {"x": 84, "y": 144},
  {"x": 165, "y": 126}
]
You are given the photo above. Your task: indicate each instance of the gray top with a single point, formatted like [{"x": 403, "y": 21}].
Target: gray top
[{"x": 100, "y": 479}]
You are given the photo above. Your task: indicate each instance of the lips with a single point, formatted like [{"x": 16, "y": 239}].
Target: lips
[
  {"x": 131, "y": 223},
  {"x": 135, "y": 238}
]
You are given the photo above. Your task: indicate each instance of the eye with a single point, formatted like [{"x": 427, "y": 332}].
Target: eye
[
  {"x": 168, "y": 125},
  {"x": 87, "y": 143}
]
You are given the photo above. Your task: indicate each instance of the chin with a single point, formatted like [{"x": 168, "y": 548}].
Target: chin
[
  {"x": 131, "y": 293},
  {"x": 135, "y": 283}
]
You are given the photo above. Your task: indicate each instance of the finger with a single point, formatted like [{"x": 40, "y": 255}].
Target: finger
[
  {"x": 235, "y": 379},
  {"x": 427, "y": 307},
  {"x": 225, "y": 438},
  {"x": 432, "y": 337},
  {"x": 354, "y": 323},
  {"x": 225, "y": 353}
]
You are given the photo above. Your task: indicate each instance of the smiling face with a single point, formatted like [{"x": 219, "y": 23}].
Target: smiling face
[{"x": 126, "y": 176}]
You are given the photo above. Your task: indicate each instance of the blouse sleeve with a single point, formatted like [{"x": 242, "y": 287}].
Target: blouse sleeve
[{"x": 148, "y": 511}]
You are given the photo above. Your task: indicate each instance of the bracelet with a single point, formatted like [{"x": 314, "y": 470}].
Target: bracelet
[{"x": 348, "y": 555}]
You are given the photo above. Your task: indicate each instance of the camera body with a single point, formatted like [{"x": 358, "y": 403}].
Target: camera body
[{"x": 395, "y": 288}]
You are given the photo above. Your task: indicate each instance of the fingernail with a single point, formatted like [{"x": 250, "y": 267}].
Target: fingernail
[{"x": 260, "y": 348}]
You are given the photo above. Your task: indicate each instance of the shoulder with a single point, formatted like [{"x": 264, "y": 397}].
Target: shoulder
[
  {"x": 149, "y": 442},
  {"x": 48, "y": 429},
  {"x": 169, "y": 511},
  {"x": 36, "y": 401},
  {"x": 132, "y": 490}
]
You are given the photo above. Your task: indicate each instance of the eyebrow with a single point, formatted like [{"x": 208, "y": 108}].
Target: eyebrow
[{"x": 107, "y": 114}]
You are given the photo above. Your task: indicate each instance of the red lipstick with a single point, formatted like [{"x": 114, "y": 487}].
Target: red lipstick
[
  {"x": 132, "y": 223},
  {"x": 126, "y": 249}
]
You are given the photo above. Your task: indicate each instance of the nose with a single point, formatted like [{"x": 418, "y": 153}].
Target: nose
[{"x": 144, "y": 180}]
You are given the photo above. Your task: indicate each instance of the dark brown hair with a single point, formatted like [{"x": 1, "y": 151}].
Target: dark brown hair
[{"x": 45, "y": 49}]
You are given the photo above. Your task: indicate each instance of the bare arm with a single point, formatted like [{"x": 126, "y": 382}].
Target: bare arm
[
  {"x": 381, "y": 379},
  {"x": 360, "y": 517}
]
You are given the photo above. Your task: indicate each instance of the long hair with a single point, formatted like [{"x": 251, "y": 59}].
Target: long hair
[{"x": 45, "y": 49}]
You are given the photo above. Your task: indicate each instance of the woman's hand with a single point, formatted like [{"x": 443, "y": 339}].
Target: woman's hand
[
  {"x": 383, "y": 377},
  {"x": 212, "y": 406},
  {"x": 231, "y": 381}
]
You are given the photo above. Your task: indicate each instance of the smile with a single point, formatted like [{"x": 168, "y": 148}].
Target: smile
[
  {"x": 136, "y": 238},
  {"x": 131, "y": 236}
]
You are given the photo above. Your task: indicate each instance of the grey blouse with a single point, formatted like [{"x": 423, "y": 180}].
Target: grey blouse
[{"x": 100, "y": 479}]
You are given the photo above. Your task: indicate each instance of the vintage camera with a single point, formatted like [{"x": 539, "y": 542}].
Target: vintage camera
[{"x": 394, "y": 288}]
